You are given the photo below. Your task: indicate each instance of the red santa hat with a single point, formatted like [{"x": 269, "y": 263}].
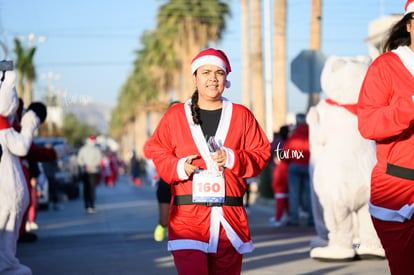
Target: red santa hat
[
  {"x": 214, "y": 57},
  {"x": 409, "y": 7}
]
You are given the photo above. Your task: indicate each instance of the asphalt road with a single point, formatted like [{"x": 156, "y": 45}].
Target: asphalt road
[{"x": 118, "y": 240}]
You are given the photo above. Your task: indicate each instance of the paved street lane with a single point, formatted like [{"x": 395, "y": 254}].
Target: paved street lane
[{"x": 118, "y": 240}]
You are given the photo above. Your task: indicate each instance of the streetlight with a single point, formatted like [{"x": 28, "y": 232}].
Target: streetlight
[
  {"x": 51, "y": 76},
  {"x": 32, "y": 38}
]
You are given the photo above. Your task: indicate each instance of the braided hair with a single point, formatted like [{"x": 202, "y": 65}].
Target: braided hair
[{"x": 195, "y": 110}]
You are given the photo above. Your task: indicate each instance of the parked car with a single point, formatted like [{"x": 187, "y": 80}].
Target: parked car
[{"x": 67, "y": 181}]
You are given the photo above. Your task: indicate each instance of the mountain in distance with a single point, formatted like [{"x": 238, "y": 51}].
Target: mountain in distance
[{"x": 92, "y": 113}]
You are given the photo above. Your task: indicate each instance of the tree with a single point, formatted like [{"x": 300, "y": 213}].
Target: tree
[
  {"x": 257, "y": 64},
  {"x": 75, "y": 131},
  {"x": 315, "y": 41},
  {"x": 162, "y": 66},
  {"x": 247, "y": 87},
  {"x": 25, "y": 70},
  {"x": 194, "y": 24},
  {"x": 279, "y": 73}
]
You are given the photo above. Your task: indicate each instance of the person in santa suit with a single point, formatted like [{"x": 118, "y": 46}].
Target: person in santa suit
[
  {"x": 206, "y": 148},
  {"x": 386, "y": 115},
  {"x": 107, "y": 169}
]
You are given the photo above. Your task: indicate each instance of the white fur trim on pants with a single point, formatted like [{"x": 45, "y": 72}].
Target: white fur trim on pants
[{"x": 400, "y": 215}]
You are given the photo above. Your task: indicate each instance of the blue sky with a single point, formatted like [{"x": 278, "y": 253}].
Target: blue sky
[{"x": 90, "y": 44}]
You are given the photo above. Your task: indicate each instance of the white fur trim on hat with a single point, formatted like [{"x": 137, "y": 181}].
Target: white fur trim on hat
[
  {"x": 207, "y": 59},
  {"x": 409, "y": 7}
]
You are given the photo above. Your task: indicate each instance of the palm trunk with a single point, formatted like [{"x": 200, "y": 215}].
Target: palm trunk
[
  {"x": 246, "y": 82},
  {"x": 279, "y": 86},
  {"x": 20, "y": 84},
  {"x": 29, "y": 92},
  {"x": 257, "y": 64},
  {"x": 315, "y": 41}
]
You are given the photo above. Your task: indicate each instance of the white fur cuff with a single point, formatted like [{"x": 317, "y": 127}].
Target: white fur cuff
[{"x": 30, "y": 121}]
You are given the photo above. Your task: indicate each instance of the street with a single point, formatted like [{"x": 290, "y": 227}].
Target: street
[{"x": 118, "y": 240}]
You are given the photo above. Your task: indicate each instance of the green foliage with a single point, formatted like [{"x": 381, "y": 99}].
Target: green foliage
[
  {"x": 24, "y": 65},
  {"x": 75, "y": 131},
  {"x": 183, "y": 26}
]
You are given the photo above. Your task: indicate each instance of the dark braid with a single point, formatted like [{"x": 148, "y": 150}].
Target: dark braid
[{"x": 195, "y": 110}]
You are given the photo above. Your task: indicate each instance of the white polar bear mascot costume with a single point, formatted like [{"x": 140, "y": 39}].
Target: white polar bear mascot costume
[
  {"x": 342, "y": 161},
  {"x": 14, "y": 197}
]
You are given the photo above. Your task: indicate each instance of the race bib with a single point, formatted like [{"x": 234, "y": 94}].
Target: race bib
[{"x": 208, "y": 186}]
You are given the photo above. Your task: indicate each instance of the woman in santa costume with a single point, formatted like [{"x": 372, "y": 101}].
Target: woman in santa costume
[
  {"x": 386, "y": 115},
  {"x": 206, "y": 148}
]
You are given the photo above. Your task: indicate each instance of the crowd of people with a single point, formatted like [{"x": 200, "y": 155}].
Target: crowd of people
[
  {"x": 205, "y": 167},
  {"x": 185, "y": 159},
  {"x": 87, "y": 167}
]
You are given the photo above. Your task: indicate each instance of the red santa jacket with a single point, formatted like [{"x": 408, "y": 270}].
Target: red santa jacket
[
  {"x": 296, "y": 148},
  {"x": 177, "y": 137},
  {"x": 386, "y": 115}
]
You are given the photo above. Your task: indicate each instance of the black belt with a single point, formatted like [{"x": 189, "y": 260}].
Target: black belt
[
  {"x": 188, "y": 199},
  {"x": 400, "y": 172}
]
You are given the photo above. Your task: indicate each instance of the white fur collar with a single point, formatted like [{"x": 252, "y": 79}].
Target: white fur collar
[
  {"x": 221, "y": 133},
  {"x": 407, "y": 57}
]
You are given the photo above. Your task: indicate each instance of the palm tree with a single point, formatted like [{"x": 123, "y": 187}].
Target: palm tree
[
  {"x": 194, "y": 23},
  {"x": 25, "y": 69},
  {"x": 30, "y": 77},
  {"x": 279, "y": 73},
  {"x": 315, "y": 41},
  {"x": 257, "y": 63},
  {"x": 246, "y": 85},
  {"x": 163, "y": 63}
]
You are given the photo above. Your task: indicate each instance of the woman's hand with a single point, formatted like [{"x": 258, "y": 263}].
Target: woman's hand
[
  {"x": 188, "y": 167},
  {"x": 219, "y": 157}
]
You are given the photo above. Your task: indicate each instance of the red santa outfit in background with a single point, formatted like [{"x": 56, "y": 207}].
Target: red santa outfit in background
[
  {"x": 208, "y": 227},
  {"x": 109, "y": 168},
  {"x": 115, "y": 165},
  {"x": 280, "y": 183},
  {"x": 386, "y": 115}
]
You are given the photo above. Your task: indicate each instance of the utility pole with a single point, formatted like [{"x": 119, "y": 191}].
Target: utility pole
[
  {"x": 315, "y": 41},
  {"x": 54, "y": 108}
]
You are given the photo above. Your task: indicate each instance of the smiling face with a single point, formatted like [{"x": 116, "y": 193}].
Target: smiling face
[{"x": 210, "y": 81}]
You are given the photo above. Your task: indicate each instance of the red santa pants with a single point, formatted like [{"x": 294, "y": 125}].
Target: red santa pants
[
  {"x": 397, "y": 240},
  {"x": 33, "y": 204},
  {"x": 195, "y": 262},
  {"x": 281, "y": 189}
]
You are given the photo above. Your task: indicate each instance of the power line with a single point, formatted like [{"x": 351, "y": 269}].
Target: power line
[{"x": 85, "y": 64}]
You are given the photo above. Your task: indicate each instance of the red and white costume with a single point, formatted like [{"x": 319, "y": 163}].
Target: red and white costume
[
  {"x": 248, "y": 150},
  {"x": 386, "y": 115},
  {"x": 109, "y": 167},
  {"x": 14, "y": 196}
]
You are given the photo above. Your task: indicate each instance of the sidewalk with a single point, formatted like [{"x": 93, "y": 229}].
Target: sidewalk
[{"x": 118, "y": 240}]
